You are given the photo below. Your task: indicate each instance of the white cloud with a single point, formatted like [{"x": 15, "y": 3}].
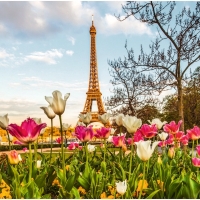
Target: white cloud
[
  {"x": 72, "y": 40},
  {"x": 4, "y": 54},
  {"x": 37, "y": 4},
  {"x": 110, "y": 25},
  {"x": 70, "y": 53},
  {"x": 46, "y": 57}
]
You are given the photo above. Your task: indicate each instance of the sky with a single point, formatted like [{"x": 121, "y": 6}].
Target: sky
[{"x": 45, "y": 46}]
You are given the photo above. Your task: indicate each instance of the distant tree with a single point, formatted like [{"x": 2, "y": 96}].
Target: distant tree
[
  {"x": 191, "y": 103},
  {"x": 180, "y": 32},
  {"x": 132, "y": 89}
]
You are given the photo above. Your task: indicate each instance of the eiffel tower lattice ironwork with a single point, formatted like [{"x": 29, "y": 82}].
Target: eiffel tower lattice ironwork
[{"x": 93, "y": 93}]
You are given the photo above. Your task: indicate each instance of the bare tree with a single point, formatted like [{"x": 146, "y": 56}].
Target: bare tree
[
  {"x": 180, "y": 31},
  {"x": 132, "y": 89}
]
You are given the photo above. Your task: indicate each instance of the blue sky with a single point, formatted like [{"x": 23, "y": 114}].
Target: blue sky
[{"x": 45, "y": 46}]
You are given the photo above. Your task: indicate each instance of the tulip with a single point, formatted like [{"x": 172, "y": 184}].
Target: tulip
[
  {"x": 19, "y": 157},
  {"x": 138, "y": 136},
  {"x": 144, "y": 149},
  {"x": 37, "y": 120},
  {"x": 159, "y": 160},
  {"x": 118, "y": 141},
  {"x": 172, "y": 127},
  {"x": 163, "y": 136},
  {"x": 104, "y": 118},
  {"x": 72, "y": 146},
  {"x": 110, "y": 139},
  {"x": 118, "y": 119},
  {"x": 121, "y": 187},
  {"x": 58, "y": 140},
  {"x": 162, "y": 144},
  {"x": 13, "y": 157},
  {"x": 131, "y": 123},
  {"x": 39, "y": 163},
  {"x": 17, "y": 142},
  {"x": 27, "y": 132},
  {"x": 102, "y": 133},
  {"x": 112, "y": 131},
  {"x": 194, "y": 134},
  {"x": 80, "y": 124},
  {"x": 130, "y": 141},
  {"x": 171, "y": 152},
  {"x": 85, "y": 118},
  {"x": 4, "y": 121},
  {"x": 91, "y": 148},
  {"x": 148, "y": 131},
  {"x": 198, "y": 149},
  {"x": 158, "y": 123},
  {"x": 84, "y": 134},
  {"x": 196, "y": 162},
  {"x": 25, "y": 149},
  {"x": 170, "y": 140},
  {"x": 49, "y": 112},
  {"x": 66, "y": 126},
  {"x": 184, "y": 139},
  {"x": 57, "y": 103}
]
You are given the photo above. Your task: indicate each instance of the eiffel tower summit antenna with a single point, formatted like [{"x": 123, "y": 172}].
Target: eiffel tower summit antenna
[{"x": 93, "y": 93}]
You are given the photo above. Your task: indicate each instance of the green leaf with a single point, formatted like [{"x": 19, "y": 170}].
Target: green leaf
[
  {"x": 84, "y": 183},
  {"x": 75, "y": 192},
  {"x": 46, "y": 196},
  {"x": 152, "y": 194},
  {"x": 41, "y": 179}
]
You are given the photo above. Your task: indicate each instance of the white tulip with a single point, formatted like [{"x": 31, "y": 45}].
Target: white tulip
[
  {"x": 163, "y": 136},
  {"x": 110, "y": 138},
  {"x": 158, "y": 123},
  {"x": 49, "y": 112},
  {"x": 145, "y": 150},
  {"x": 112, "y": 131},
  {"x": 121, "y": 187},
  {"x": 19, "y": 157},
  {"x": 4, "y": 121},
  {"x": 91, "y": 148},
  {"x": 119, "y": 118},
  {"x": 57, "y": 103},
  {"x": 65, "y": 126},
  {"x": 85, "y": 118},
  {"x": 104, "y": 118},
  {"x": 39, "y": 163},
  {"x": 80, "y": 124},
  {"x": 131, "y": 123},
  {"x": 121, "y": 134}
]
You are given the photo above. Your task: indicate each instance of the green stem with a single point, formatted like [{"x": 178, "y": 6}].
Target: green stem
[
  {"x": 42, "y": 143},
  {"x": 51, "y": 140},
  {"x": 142, "y": 181},
  {"x": 35, "y": 153},
  {"x": 8, "y": 140},
  {"x": 62, "y": 148},
  {"x": 104, "y": 156},
  {"x": 130, "y": 166},
  {"x": 86, "y": 152},
  {"x": 192, "y": 148},
  {"x": 30, "y": 162}
]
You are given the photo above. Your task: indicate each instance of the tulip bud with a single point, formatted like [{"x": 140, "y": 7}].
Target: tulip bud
[
  {"x": 121, "y": 187},
  {"x": 13, "y": 157},
  {"x": 171, "y": 152},
  {"x": 19, "y": 157},
  {"x": 124, "y": 148},
  {"x": 39, "y": 163},
  {"x": 159, "y": 160}
]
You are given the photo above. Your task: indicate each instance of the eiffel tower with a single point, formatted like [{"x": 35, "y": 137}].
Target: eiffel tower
[{"x": 93, "y": 93}]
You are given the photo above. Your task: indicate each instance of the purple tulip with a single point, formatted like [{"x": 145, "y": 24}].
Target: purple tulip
[{"x": 27, "y": 132}]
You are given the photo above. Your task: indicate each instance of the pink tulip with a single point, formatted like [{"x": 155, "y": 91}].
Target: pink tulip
[
  {"x": 184, "y": 139},
  {"x": 17, "y": 142},
  {"x": 170, "y": 140},
  {"x": 118, "y": 141},
  {"x": 27, "y": 132},
  {"x": 13, "y": 157},
  {"x": 162, "y": 144},
  {"x": 172, "y": 127},
  {"x": 72, "y": 146},
  {"x": 84, "y": 134},
  {"x": 102, "y": 133},
  {"x": 198, "y": 149},
  {"x": 25, "y": 149},
  {"x": 58, "y": 140},
  {"x": 196, "y": 162},
  {"x": 138, "y": 136},
  {"x": 80, "y": 147},
  {"x": 194, "y": 134},
  {"x": 130, "y": 141},
  {"x": 148, "y": 131}
]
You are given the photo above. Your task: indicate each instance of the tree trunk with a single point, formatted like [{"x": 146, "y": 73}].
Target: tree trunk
[{"x": 180, "y": 104}]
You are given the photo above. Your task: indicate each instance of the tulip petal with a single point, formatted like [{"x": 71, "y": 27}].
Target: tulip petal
[
  {"x": 49, "y": 100},
  {"x": 66, "y": 96}
]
